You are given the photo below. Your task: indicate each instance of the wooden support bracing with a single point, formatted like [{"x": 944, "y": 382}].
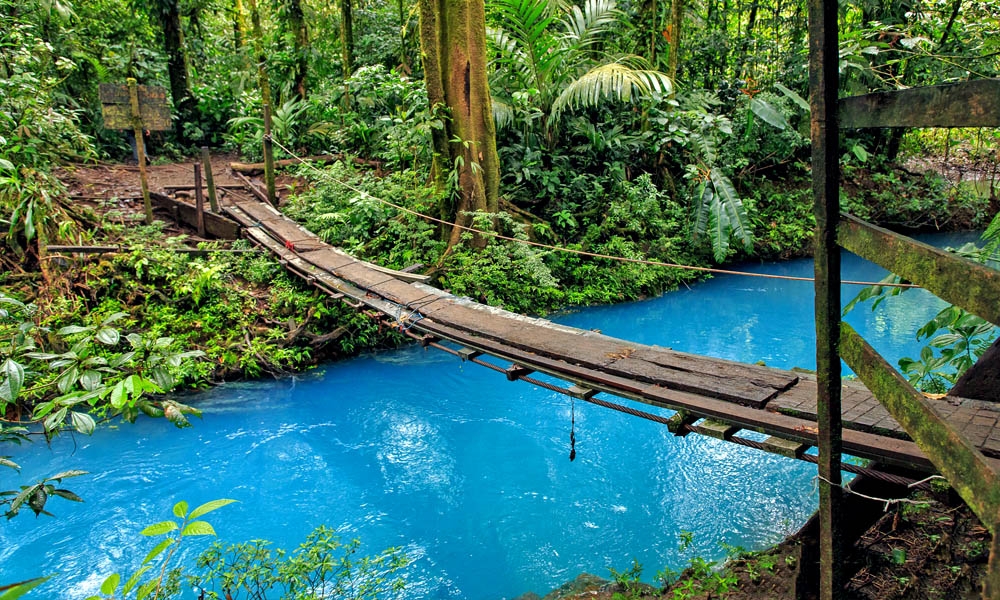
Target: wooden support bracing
[
  {"x": 959, "y": 461},
  {"x": 960, "y": 281},
  {"x": 966, "y": 104}
]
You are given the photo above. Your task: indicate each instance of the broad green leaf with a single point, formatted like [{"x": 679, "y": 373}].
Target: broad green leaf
[
  {"x": 82, "y": 422},
  {"x": 90, "y": 379},
  {"x": 208, "y": 507},
  {"x": 797, "y": 99},
  {"x": 116, "y": 316},
  {"x": 71, "y": 329},
  {"x": 159, "y": 528},
  {"x": 55, "y": 419},
  {"x": 134, "y": 579},
  {"x": 108, "y": 336},
  {"x": 118, "y": 395},
  {"x": 13, "y": 374},
  {"x": 29, "y": 222},
  {"x": 157, "y": 550},
  {"x": 110, "y": 584},
  {"x": 180, "y": 509},
  {"x": 162, "y": 377},
  {"x": 67, "y": 475},
  {"x": 67, "y": 495},
  {"x": 6, "y": 164},
  {"x": 16, "y": 590},
  {"x": 6, "y": 462},
  {"x": 68, "y": 379},
  {"x": 198, "y": 528},
  {"x": 768, "y": 113},
  {"x": 147, "y": 588}
]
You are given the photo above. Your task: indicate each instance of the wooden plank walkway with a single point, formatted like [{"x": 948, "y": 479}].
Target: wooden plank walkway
[{"x": 772, "y": 401}]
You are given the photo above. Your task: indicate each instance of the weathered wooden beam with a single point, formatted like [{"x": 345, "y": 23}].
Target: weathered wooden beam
[
  {"x": 215, "y": 225},
  {"x": 516, "y": 371},
  {"x": 960, "y": 281},
  {"x": 966, "y": 469},
  {"x": 256, "y": 191},
  {"x": 966, "y": 104},
  {"x": 824, "y": 81},
  {"x": 717, "y": 429},
  {"x": 680, "y": 423},
  {"x": 783, "y": 447}
]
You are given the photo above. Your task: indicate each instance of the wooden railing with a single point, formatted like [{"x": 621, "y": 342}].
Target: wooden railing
[{"x": 971, "y": 286}]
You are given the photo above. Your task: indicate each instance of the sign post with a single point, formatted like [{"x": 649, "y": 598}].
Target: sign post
[{"x": 136, "y": 107}]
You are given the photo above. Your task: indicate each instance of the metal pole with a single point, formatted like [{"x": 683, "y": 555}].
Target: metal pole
[
  {"x": 140, "y": 148},
  {"x": 823, "y": 83},
  {"x": 206, "y": 161},
  {"x": 269, "y": 157},
  {"x": 199, "y": 201}
]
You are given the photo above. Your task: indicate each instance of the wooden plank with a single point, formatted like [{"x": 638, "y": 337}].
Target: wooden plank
[
  {"x": 716, "y": 429},
  {"x": 965, "y": 104},
  {"x": 960, "y": 281},
  {"x": 216, "y": 226},
  {"x": 783, "y": 447},
  {"x": 966, "y": 469}
]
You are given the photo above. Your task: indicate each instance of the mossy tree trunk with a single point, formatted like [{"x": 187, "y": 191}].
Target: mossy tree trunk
[
  {"x": 453, "y": 45},
  {"x": 347, "y": 37},
  {"x": 676, "y": 22},
  {"x": 300, "y": 36},
  {"x": 258, "y": 48},
  {"x": 177, "y": 66}
]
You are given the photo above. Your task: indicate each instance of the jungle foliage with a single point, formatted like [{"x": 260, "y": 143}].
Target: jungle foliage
[{"x": 624, "y": 128}]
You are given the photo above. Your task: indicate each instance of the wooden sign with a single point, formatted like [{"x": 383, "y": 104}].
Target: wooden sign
[{"x": 154, "y": 111}]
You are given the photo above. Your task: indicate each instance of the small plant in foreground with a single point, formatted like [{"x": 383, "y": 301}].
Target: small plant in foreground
[{"x": 164, "y": 584}]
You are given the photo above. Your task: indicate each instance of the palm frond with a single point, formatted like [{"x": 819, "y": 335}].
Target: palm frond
[
  {"x": 720, "y": 213},
  {"x": 503, "y": 114},
  {"x": 585, "y": 26},
  {"x": 616, "y": 81},
  {"x": 526, "y": 25}
]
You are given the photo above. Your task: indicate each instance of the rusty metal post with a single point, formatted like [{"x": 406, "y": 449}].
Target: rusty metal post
[
  {"x": 140, "y": 148},
  {"x": 206, "y": 161},
  {"x": 199, "y": 201},
  {"x": 823, "y": 83},
  {"x": 269, "y": 157}
]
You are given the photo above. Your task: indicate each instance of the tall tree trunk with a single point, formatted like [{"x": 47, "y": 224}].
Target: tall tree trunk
[
  {"x": 300, "y": 35},
  {"x": 347, "y": 37},
  {"x": 957, "y": 6},
  {"x": 258, "y": 48},
  {"x": 239, "y": 27},
  {"x": 403, "y": 60},
  {"x": 177, "y": 68},
  {"x": 453, "y": 44},
  {"x": 676, "y": 19}
]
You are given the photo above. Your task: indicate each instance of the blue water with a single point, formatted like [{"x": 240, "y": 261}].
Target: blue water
[{"x": 467, "y": 472}]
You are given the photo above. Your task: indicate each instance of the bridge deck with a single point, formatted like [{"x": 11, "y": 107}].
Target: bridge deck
[{"x": 772, "y": 401}]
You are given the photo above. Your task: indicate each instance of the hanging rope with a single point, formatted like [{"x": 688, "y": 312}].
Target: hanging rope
[
  {"x": 572, "y": 429},
  {"x": 641, "y": 261}
]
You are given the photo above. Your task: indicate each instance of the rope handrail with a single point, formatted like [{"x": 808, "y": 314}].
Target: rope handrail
[{"x": 624, "y": 259}]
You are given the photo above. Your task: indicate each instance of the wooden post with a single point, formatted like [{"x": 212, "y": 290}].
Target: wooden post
[
  {"x": 140, "y": 147},
  {"x": 199, "y": 201},
  {"x": 823, "y": 82},
  {"x": 269, "y": 157},
  {"x": 206, "y": 162}
]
